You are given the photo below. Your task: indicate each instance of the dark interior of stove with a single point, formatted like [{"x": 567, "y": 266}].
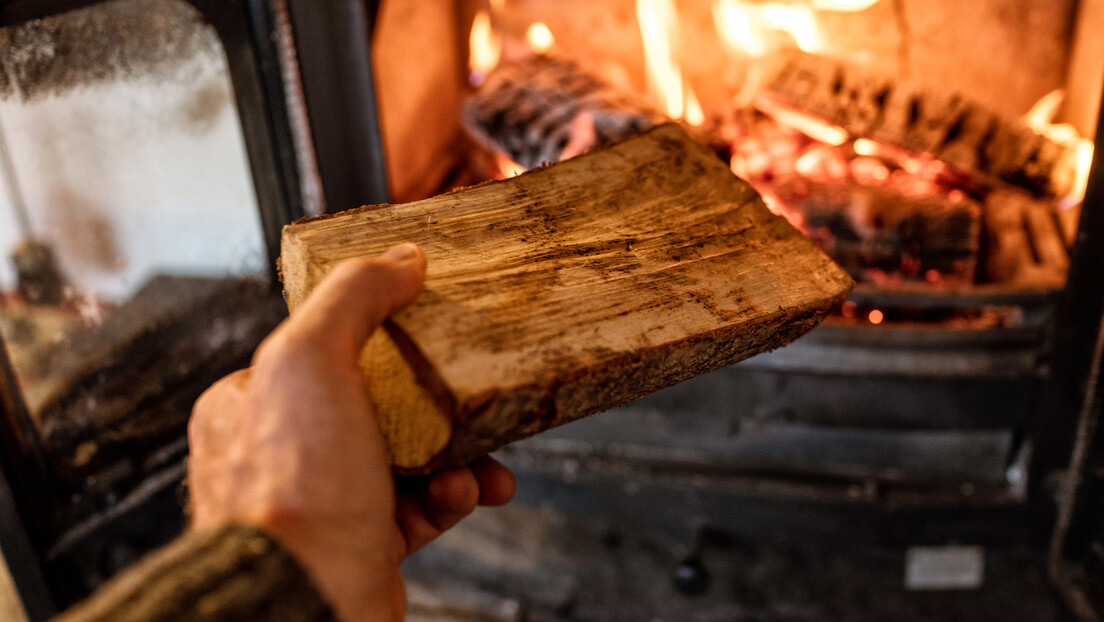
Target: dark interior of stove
[{"x": 931, "y": 452}]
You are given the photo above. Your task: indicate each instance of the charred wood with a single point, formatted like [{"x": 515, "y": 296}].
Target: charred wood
[
  {"x": 1025, "y": 245},
  {"x": 127, "y": 387},
  {"x": 944, "y": 124},
  {"x": 537, "y": 108},
  {"x": 870, "y": 230}
]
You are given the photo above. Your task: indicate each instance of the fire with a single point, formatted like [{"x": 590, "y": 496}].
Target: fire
[
  {"x": 844, "y": 6},
  {"x": 807, "y": 124},
  {"x": 484, "y": 48},
  {"x": 506, "y": 166},
  {"x": 1041, "y": 120},
  {"x": 658, "y": 22},
  {"x": 694, "y": 114},
  {"x": 540, "y": 38},
  {"x": 798, "y": 22},
  {"x": 747, "y": 26},
  {"x": 734, "y": 22}
]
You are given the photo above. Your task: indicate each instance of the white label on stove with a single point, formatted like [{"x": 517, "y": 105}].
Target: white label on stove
[{"x": 944, "y": 567}]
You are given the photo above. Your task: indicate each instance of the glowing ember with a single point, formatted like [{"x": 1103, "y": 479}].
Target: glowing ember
[
  {"x": 876, "y": 317},
  {"x": 866, "y": 147},
  {"x": 809, "y": 125},
  {"x": 484, "y": 48},
  {"x": 540, "y": 38}
]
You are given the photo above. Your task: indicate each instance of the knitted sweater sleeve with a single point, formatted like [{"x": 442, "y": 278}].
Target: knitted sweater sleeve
[{"x": 233, "y": 573}]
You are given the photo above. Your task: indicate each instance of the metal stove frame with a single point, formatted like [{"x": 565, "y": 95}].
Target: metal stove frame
[{"x": 333, "y": 53}]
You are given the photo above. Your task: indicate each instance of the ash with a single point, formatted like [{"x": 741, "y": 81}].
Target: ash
[{"x": 523, "y": 563}]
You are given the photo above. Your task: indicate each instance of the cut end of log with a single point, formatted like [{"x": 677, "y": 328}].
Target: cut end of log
[{"x": 415, "y": 428}]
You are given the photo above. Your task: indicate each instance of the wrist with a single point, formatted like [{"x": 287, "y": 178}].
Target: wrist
[{"x": 361, "y": 584}]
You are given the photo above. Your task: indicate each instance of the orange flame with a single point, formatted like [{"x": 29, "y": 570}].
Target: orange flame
[
  {"x": 746, "y": 26},
  {"x": 735, "y": 24},
  {"x": 694, "y": 114},
  {"x": 506, "y": 166},
  {"x": 658, "y": 22},
  {"x": 809, "y": 125},
  {"x": 484, "y": 48},
  {"x": 844, "y": 6},
  {"x": 1041, "y": 120},
  {"x": 796, "y": 21},
  {"x": 540, "y": 38}
]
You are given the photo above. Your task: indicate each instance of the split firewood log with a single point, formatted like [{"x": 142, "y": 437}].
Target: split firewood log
[
  {"x": 870, "y": 228},
  {"x": 944, "y": 124},
  {"x": 542, "y": 109},
  {"x": 568, "y": 290},
  {"x": 1024, "y": 239}
]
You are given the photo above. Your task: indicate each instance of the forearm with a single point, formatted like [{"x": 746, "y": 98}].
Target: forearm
[{"x": 233, "y": 573}]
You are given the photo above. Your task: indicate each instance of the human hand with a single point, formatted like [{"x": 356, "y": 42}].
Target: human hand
[{"x": 292, "y": 445}]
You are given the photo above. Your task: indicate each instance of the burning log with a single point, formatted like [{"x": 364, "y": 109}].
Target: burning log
[
  {"x": 944, "y": 124},
  {"x": 543, "y": 109},
  {"x": 1025, "y": 243},
  {"x": 873, "y": 231},
  {"x": 568, "y": 290}
]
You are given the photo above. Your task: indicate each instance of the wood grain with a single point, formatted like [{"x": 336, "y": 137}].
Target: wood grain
[{"x": 574, "y": 288}]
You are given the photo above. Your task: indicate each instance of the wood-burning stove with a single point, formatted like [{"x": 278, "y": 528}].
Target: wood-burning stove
[{"x": 842, "y": 421}]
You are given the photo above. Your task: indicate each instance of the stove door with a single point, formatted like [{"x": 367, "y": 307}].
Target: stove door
[{"x": 1077, "y": 551}]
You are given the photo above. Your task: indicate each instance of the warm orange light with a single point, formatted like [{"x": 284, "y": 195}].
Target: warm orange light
[
  {"x": 658, "y": 21},
  {"x": 506, "y": 166},
  {"x": 484, "y": 48},
  {"x": 844, "y": 6},
  {"x": 797, "y": 21},
  {"x": 1041, "y": 120},
  {"x": 1042, "y": 113},
  {"x": 694, "y": 114},
  {"x": 866, "y": 147},
  {"x": 1084, "y": 158},
  {"x": 744, "y": 25},
  {"x": 876, "y": 317},
  {"x": 735, "y": 24},
  {"x": 540, "y": 38},
  {"x": 810, "y": 126}
]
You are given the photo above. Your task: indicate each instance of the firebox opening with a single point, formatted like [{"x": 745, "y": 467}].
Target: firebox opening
[
  {"x": 937, "y": 151},
  {"x": 922, "y": 147}
]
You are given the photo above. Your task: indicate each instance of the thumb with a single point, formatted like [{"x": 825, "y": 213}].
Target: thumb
[{"x": 357, "y": 296}]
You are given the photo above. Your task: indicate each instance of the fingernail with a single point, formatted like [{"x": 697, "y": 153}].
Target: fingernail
[{"x": 401, "y": 252}]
